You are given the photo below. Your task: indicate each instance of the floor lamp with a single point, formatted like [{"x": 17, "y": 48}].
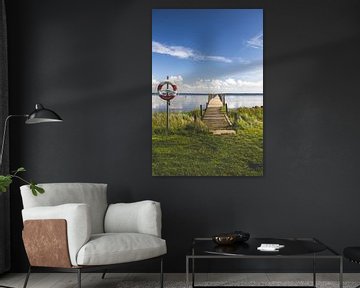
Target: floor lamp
[{"x": 39, "y": 115}]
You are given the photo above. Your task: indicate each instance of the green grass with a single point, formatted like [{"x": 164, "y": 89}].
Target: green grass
[{"x": 190, "y": 150}]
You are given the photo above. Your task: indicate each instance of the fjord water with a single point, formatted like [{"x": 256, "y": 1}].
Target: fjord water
[{"x": 189, "y": 102}]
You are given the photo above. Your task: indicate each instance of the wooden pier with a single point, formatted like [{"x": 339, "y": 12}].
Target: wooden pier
[{"x": 214, "y": 116}]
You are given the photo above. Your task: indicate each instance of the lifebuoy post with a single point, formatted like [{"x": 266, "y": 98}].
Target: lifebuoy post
[
  {"x": 167, "y": 95},
  {"x": 167, "y": 107}
]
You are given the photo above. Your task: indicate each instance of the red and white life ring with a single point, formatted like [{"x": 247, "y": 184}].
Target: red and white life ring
[{"x": 167, "y": 94}]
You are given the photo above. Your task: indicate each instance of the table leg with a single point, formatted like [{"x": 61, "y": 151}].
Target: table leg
[
  {"x": 193, "y": 267},
  {"x": 314, "y": 271},
  {"x": 193, "y": 272},
  {"x": 341, "y": 273},
  {"x": 187, "y": 272}
]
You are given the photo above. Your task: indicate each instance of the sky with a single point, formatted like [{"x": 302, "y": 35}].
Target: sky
[{"x": 208, "y": 50}]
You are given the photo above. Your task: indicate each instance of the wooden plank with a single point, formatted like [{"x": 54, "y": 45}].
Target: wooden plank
[{"x": 213, "y": 117}]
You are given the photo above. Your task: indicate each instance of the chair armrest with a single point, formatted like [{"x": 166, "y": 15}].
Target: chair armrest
[
  {"x": 77, "y": 218},
  {"x": 138, "y": 217}
]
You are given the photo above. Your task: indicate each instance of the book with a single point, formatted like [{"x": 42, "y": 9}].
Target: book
[{"x": 270, "y": 247}]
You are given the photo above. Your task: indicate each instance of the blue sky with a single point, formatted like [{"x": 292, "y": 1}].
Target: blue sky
[{"x": 208, "y": 50}]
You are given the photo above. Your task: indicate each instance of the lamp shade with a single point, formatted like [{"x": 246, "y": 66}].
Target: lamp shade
[{"x": 42, "y": 115}]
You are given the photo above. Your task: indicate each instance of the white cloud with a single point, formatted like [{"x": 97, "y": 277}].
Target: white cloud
[
  {"x": 256, "y": 41},
  {"x": 176, "y": 51},
  {"x": 185, "y": 53},
  {"x": 214, "y": 58},
  {"x": 230, "y": 81},
  {"x": 176, "y": 79},
  {"x": 228, "y": 85},
  {"x": 214, "y": 85}
]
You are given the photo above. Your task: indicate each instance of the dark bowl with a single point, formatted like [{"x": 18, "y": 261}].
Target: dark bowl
[{"x": 225, "y": 239}]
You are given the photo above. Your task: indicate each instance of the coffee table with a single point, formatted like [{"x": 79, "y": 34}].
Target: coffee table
[{"x": 294, "y": 248}]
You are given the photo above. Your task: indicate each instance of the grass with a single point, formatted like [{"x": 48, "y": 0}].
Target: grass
[{"x": 190, "y": 149}]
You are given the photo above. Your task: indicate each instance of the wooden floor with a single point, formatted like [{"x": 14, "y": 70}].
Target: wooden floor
[{"x": 115, "y": 280}]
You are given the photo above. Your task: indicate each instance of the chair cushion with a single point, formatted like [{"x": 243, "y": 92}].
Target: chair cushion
[
  {"x": 138, "y": 217},
  {"x": 114, "y": 248},
  {"x": 55, "y": 194},
  {"x": 352, "y": 253}
]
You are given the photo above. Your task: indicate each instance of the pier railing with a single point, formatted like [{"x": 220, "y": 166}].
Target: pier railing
[
  {"x": 212, "y": 96},
  {"x": 222, "y": 97}
]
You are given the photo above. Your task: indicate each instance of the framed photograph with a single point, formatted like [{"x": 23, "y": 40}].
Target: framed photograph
[{"x": 207, "y": 92}]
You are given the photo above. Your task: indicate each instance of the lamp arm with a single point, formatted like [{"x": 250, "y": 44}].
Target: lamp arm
[{"x": 4, "y": 134}]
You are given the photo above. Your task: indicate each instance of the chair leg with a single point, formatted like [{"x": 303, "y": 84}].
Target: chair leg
[
  {"x": 27, "y": 277},
  {"x": 161, "y": 272},
  {"x": 79, "y": 277},
  {"x": 103, "y": 275}
]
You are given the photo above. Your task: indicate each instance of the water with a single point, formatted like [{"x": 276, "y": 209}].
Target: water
[{"x": 191, "y": 102}]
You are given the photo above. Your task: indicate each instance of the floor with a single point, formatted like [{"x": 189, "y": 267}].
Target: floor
[{"x": 120, "y": 280}]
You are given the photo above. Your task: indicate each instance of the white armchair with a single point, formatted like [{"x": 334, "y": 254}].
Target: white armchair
[{"x": 72, "y": 228}]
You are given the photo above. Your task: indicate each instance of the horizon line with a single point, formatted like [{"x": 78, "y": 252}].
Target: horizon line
[{"x": 226, "y": 93}]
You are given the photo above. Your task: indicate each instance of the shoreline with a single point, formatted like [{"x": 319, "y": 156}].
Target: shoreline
[
  {"x": 207, "y": 94},
  {"x": 186, "y": 103},
  {"x": 195, "y": 110}
]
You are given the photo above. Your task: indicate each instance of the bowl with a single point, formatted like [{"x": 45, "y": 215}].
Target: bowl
[{"x": 225, "y": 239}]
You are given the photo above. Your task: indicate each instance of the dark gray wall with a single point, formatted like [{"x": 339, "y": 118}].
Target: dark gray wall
[
  {"x": 4, "y": 166},
  {"x": 91, "y": 61}
]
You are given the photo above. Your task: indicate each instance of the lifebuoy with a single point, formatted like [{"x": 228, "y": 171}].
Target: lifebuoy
[{"x": 167, "y": 94}]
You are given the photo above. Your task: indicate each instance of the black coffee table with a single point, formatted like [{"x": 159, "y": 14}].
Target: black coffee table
[{"x": 295, "y": 248}]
